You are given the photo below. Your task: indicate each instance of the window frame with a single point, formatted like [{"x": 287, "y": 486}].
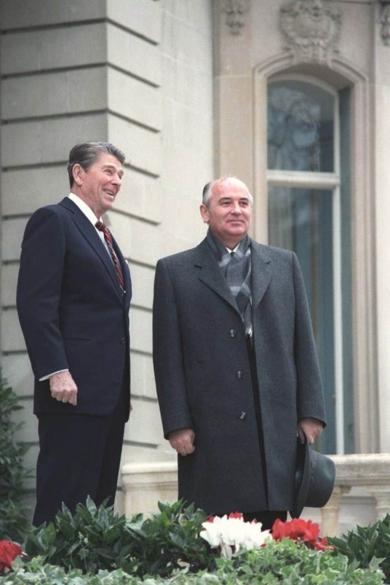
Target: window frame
[{"x": 323, "y": 181}]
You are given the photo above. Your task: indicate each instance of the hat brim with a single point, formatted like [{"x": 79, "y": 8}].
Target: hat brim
[
  {"x": 302, "y": 478},
  {"x": 314, "y": 479}
]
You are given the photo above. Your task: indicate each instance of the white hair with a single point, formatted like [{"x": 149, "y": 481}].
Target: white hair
[{"x": 209, "y": 187}]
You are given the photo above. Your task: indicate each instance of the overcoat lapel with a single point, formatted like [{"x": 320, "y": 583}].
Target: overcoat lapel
[
  {"x": 261, "y": 273},
  {"x": 89, "y": 233},
  {"x": 211, "y": 275}
]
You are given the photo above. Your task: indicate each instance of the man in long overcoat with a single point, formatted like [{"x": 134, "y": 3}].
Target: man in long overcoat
[{"x": 235, "y": 363}]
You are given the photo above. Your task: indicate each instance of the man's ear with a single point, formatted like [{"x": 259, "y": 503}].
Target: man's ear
[
  {"x": 204, "y": 212},
  {"x": 78, "y": 172}
]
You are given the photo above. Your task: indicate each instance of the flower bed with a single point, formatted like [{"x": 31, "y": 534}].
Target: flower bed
[{"x": 180, "y": 545}]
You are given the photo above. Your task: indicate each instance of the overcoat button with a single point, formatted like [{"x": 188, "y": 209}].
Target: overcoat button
[
  {"x": 242, "y": 415},
  {"x": 240, "y": 374},
  {"x": 232, "y": 333}
]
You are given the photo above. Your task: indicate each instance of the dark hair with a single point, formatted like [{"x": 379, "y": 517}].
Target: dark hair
[{"x": 86, "y": 153}]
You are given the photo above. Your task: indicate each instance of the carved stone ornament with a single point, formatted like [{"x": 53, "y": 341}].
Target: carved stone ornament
[
  {"x": 312, "y": 30},
  {"x": 235, "y": 11},
  {"x": 385, "y": 22}
]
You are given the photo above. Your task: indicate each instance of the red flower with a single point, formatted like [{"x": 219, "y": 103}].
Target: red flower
[
  {"x": 300, "y": 530},
  {"x": 237, "y": 515},
  {"x": 210, "y": 518},
  {"x": 279, "y": 530},
  {"x": 8, "y": 552},
  {"x": 322, "y": 544}
]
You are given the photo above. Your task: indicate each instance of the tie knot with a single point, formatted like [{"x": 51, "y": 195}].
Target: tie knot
[
  {"x": 106, "y": 232},
  {"x": 100, "y": 226}
]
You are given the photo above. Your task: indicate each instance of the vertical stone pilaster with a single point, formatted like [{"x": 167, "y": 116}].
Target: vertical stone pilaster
[
  {"x": 331, "y": 512},
  {"x": 382, "y": 499},
  {"x": 380, "y": 157}
]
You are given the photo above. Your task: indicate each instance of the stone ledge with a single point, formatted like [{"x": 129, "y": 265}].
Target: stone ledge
[
  {"x": 145, "y": 484},
  {"x": 370, "y": 469}
]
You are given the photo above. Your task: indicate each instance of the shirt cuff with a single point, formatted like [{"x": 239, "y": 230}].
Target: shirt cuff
[{"x": 52, "y": 374}]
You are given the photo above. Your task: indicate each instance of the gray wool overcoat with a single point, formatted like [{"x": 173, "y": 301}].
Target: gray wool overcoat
[{"x": 203, "y": 376}]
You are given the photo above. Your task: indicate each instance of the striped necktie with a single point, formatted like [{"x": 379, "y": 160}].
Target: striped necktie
[{"x": 108, "y": 239}]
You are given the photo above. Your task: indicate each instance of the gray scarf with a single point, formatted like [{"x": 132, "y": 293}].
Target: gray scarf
[{"x": 236, "y": 267}]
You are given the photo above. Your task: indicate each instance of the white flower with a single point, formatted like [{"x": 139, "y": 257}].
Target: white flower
[
  {"x": 231, "y": 534},
  {"x": 211, "y": 534}
]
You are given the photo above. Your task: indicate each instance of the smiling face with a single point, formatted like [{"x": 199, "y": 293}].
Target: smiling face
[
  {"x": 228, "y": 211},
  {"x": 99, "y": 184}
]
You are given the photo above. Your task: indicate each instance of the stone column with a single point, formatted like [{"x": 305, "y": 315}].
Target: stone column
[
  {"x": 82, "y": 71},
  {"x": 381, "y": 134},
  {"x": 382, "y": 499},
  {"x": 330, "y": 512}
]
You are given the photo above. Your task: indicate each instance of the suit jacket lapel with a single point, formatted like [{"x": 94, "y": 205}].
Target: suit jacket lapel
[
  {"x": 89, "y": 233},
  {"x": 210, "y": 274},
  {"x": 261, "y": 272}
]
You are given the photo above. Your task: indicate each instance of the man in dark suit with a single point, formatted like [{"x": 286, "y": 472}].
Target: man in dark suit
[
  {"x": 73, "y": 299},
  {"x": 235, "y": 363}
]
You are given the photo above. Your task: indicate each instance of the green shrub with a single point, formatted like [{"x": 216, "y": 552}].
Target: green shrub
[
  {"x": 294, "y": 563},
  {"x": 364, "y": 543},
  {"x": 170, "y": 540},
  {"x": 95, "y": 538},
  {"x": 92, "y": 538},
  {"x": 279, "y": 562},
  {"x": 36, "y": 573},
  {"x": 13, "y": 515},
  {"x": 93, "y": 546}
]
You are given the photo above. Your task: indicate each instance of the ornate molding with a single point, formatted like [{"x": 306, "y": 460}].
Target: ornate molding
[
  {"x": 235, "y": 11},
  {"x": 312, "y": 30},
  {"x": 385, "y": 23}
]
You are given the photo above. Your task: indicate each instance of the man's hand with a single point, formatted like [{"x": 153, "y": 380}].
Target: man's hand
[
  {"x": 310, "y": 428},
  {"x": 182, "y": 441},
  {"x": 63, "y": 388}
]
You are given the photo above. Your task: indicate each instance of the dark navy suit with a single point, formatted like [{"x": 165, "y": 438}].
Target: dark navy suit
[{"x": 74, "y": 316}]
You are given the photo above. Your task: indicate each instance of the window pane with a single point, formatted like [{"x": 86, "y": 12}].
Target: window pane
[
  {"x": 302, "y": 220},
  {"x": 300, "y": 127}
]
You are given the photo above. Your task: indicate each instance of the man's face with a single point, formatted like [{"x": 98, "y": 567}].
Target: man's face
[
  {"x": 99, "y": 185},
  {"x": 228, "y": 211}
]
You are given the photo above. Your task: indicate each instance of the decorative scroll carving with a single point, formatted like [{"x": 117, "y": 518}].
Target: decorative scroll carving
[
  {"x": 312, "y": 30},
  {"x": 235, "y": 11},
  {"x": 385, "y": 22}
]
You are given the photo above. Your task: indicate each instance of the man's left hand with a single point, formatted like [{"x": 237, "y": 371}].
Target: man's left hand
[{"x": 310, "y": 428}]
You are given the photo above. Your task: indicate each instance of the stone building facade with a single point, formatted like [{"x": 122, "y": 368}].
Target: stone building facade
[{"x": 292, "y": 96}]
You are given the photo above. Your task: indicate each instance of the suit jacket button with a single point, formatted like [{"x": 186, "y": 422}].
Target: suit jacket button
[
  {"x": 233, "y": 333},
  {"x": 123, "y": 340},
  {"x": 240, "y": 374},
  {"x": 242, "y": 415}
]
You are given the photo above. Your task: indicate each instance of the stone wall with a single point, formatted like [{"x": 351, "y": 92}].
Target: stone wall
[{"x": 138, "y": 74}]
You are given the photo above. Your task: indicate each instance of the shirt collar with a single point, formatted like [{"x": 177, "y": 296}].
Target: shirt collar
[
  {"x": 234, "y": 249},
  {"x": 84, "y": 208}
]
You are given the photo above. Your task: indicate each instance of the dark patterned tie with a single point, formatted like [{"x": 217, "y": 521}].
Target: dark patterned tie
[{"x": 108, "y": 239}]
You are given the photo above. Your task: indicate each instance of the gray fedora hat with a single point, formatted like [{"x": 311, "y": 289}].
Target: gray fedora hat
[{"x": 314, "y": 479}]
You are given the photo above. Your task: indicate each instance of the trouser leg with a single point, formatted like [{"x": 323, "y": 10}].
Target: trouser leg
[
  {"x": 79, "y": 457},
  {"x": 108, "y": 477}
]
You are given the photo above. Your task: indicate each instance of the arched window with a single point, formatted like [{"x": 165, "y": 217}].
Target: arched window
[{"x": 309, "y": 212}]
